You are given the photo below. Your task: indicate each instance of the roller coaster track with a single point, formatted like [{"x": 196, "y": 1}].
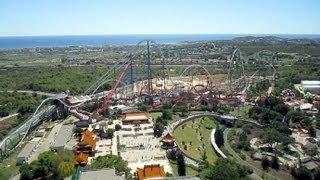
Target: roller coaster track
[
  {"x": 264, "y": 63},
  {"x": 43, "y": 111},
  {"x": 40, "y": 114}
]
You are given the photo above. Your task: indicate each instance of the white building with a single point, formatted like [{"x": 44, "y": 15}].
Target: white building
[{"x": 311, "y": 86}]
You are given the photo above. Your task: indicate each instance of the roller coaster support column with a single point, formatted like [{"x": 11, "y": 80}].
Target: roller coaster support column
[
  {"x": 113, "y": 90},
  {"x": 149, "y": 86},
  {"x": 164, "y": 78},
  {"x": 131, "y": 74}
]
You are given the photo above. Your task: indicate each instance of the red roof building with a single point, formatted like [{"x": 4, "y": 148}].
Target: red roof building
[{"x": 151, "y": 172}]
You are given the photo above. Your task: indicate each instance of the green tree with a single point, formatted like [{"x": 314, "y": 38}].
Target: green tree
[
  {"x": 271, "y": 136},
  {"x": 110, "y": 161},
  {"x": 49, "y": 165},
  {"x": 302, "y": 173},
  {"x": 224, "y": 169},
  {"x": 66, "y": 169},
  {"x": 265, "y": 163},
  {"x": 181, "y": 165},
  {"x": 281, "y": 127},
  {"x": 51, "y": 161},
  {"x": 167, "y": 114},
  {"x": 218, "y": 136},
  {"x": 158, "y": 129},
  {"x": 26, "y": 172},
  {"x": 312, "y": 131},
  {"x": 295, "y": 116},
  {"x": 110, "y": 133},
  {"x": 275, "y": 163},
  {"x": 117, "y": 127},
  {"x": 223, "y": 109}
]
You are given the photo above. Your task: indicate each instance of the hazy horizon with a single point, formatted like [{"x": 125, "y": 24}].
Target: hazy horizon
[
  {"x": 155, "y": 34},
  {"x": 17, "y": 42}
]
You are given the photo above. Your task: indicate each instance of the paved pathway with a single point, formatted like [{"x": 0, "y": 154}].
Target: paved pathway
[
  {"x": 33, "y": 92},
  {"x": 8, "y": 117},
  {"x": 114, "y": 147},
  {"x": 45, "y": 143},
  {"x": 215, "y": 146}
]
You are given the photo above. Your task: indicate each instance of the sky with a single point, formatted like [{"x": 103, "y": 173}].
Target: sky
[{"x": 103, "y": 17}]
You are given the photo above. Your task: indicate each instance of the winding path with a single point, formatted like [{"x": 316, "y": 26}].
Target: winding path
[
  {"x": 33, "y": 92},
  {"x": 240, "y": 160},
  {"x": 215, "y": 146},
  {"x": 171, "y": 127}
]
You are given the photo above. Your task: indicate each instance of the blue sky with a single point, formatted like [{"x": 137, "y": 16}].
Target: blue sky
[{"x": 92, "y": 17}]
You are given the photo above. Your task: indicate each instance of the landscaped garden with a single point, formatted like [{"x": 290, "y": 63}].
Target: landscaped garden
[{"x": 193, "y": 138}]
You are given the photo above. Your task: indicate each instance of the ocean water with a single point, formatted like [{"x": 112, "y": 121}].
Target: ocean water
[{"x": 16, "y": 42}]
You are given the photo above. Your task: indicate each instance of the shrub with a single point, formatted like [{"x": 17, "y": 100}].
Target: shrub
[{"x": 117, "y": 127}]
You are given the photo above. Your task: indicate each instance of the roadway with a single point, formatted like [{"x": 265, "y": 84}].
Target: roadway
[
  {"x": 8, "y": 117},
  {"x": 33, "y": 92},
  {"x": 46, "y": 142}
]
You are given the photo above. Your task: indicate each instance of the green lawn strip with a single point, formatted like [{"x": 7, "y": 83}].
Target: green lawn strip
[
  {"x": 8, "y": 172},
  {"x": 8, "y": 166},
  {"x": 188, "y": 134}
]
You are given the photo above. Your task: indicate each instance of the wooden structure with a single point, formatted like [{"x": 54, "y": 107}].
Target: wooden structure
[
  {"x": 154, "y": 171},
  {"x": 135, "y": 118},
  {"x": 85, "y": 148},
  {"x": 168, "y": 141}
]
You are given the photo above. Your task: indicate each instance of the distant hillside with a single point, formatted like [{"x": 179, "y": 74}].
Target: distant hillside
[
  {"x": 252, "y": 44},
  {"x": 269, "y": 39},
  {"x": 273, "y": 39}
]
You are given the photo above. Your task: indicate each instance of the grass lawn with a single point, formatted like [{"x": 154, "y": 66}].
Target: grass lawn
[
  {"x": 8, "y": 172},
  {"x": 190, "y": 171},
  {"x": 8, "y": 166},
  {"x": 155, "y": 115},
  {"x": 188, "y": 134}
]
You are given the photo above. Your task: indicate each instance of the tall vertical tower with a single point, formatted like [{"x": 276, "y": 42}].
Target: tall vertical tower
[{"x": 149, "y": 73}]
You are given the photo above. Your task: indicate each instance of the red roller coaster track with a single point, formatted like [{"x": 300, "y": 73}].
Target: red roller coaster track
[{"x": 107, "y": 98}]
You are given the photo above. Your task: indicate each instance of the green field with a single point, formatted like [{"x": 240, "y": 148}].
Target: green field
[
  {"x": 155, "y": 115},
  {"x": 189, "y": 133},
  {"x": 8, "y": 167}
]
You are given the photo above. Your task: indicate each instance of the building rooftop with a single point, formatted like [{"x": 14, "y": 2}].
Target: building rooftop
[
  {"x": 168, "y": 138},
  {"x": 135, "y": 116},
  {"x": 306, "y": 106},
  {"x": 100, "y": 174},
  {"x": 87, "y": 139},
  {"x": 63, "y": 136},
  {"x": 150, "y": 171},
  {"x": 76, "y": 100},
  {"x": 81, "y": 158}
]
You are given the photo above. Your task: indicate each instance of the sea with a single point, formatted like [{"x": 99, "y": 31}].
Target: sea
[{"x": 18, "y": 42}]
